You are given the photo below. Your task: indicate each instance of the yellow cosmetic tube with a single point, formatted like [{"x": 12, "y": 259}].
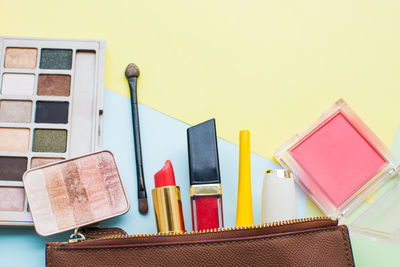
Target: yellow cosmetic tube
[{"x": 244, "y": 212}]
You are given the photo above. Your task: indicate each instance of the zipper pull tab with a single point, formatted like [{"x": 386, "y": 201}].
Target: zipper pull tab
[{"x": 76, "y": 237}]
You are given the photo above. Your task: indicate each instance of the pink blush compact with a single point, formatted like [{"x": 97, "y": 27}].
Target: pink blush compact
[{"x": 338, "y": 159}]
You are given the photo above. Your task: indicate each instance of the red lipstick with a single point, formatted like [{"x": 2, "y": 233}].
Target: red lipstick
[
  {"x": 165, "y": 176},
  {"x": 205, "y": 181},
  {"x": 167, "y": 201}
]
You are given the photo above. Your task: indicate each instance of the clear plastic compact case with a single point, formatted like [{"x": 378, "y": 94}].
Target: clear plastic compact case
[{"x": 347, "y": 172}]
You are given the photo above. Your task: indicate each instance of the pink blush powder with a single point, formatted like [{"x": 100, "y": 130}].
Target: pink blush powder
[{"x": 338, "y": 159}]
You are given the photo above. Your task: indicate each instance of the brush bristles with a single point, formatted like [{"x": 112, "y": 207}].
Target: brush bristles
[
  {"x": 143, "y": 206},
  {"x": 132, "y": 71}
]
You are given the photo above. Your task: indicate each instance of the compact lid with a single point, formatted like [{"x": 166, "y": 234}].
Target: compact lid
[
  {"x": 75, "y": 192},
  {"x": 203, "y": 153},
  {"x": 338, "y": 161},
  {"x": 379, "y": 216}
]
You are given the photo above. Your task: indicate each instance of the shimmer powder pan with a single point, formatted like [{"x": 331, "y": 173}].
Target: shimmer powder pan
[
  {"x": 76, "y": 192},
  {"x": 338, "y": 161},
  {"x": 51, "y": 103}
]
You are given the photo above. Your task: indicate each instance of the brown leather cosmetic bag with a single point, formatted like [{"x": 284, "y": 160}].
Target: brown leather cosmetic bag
[{"x": 303, "y": 242}]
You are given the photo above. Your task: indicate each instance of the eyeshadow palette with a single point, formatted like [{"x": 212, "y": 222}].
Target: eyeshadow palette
[
  {"x": 73, "y": 193},
  {"x": 51, "y": 97},
  {"x": 338, "y": 161}
]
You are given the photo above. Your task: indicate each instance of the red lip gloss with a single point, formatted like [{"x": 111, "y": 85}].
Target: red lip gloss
[
  {"x": 167, "y": 201},
  {"x": 205, "y": 180}
]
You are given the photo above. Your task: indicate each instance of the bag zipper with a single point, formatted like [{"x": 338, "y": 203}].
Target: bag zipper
[
  {"x": 79, "y": 237},
  {"x": 76, "y": 236}
]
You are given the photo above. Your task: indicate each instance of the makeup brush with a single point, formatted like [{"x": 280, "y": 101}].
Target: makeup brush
[{"x": 132, "y": 73}]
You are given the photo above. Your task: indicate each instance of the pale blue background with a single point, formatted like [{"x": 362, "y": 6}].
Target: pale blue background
[{"x": 162, "y": 138}]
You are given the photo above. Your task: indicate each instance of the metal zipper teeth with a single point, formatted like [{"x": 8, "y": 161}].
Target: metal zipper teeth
[{"x": 217, "y": 230}]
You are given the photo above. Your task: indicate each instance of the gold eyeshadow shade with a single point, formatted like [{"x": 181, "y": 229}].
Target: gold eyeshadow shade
[
  {"x": 22, "y": 58},
  {"x": 14, "y": 139},
  {"x": 75, "y": 192}
]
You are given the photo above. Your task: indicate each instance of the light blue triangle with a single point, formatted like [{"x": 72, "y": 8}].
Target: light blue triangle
[{"x": 164, "y": 138}]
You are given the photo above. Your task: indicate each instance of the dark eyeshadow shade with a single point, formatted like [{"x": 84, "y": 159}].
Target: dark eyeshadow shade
[
  {"x": 54, "y": 84},
  {"x": 51, "y": 112},
  {"x": 50, "y": 140},
  {"x": 12, "y": 168},
  {"x": 60, "y": 59}
]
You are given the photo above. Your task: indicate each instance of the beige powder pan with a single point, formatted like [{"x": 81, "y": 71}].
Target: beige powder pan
[
  {"x": 22, "y": 58},
  {"x": 12, "y": 199},
  {"x": 76, "y": 192},
  {"x": 51, "y": 102},
  {"x": 15, "y": 111}
]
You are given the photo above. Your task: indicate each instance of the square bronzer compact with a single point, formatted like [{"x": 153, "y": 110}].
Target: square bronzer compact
[
  {"x": 339, "y": 162},
  {"x": 76, "y": 192},
  {"x": 51, "y": 98}
]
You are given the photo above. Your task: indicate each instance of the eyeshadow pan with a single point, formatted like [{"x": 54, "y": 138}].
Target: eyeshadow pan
[
  {"x": 75, "y": 192},
  {"x": 22, "y": 58},
  {"x": 56, "y": 59},
  {"x": 12, "y": 168},
  {"x": 54, "y": 85},
  {"x": 51, "y": 112},
  {"x": 14, "y": 139},
  {"x": 338, "y": 159},
  {"x": 50, "y": 140},
  {"x": 37, "y": 162},
  {"x": 15, "y": 111},
  {"x": 17, "y": 84},
  {"x": 84, "y": 74},
  {"x": 12, "y": 199}
]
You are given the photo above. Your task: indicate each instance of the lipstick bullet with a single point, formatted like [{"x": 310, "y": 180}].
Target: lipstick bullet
[
  {"x": 167, "y": 201},
  {"x": 205, "y": 180}
]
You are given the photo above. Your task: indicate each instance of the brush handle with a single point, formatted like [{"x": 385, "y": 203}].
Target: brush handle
[{"x": 136, "y": 134}]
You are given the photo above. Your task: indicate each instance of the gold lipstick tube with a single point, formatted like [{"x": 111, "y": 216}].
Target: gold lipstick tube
[{"x": 168, "y": 209}]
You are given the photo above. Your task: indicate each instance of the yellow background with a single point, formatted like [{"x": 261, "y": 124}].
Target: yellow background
[{"x": 268, "y": 66}]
